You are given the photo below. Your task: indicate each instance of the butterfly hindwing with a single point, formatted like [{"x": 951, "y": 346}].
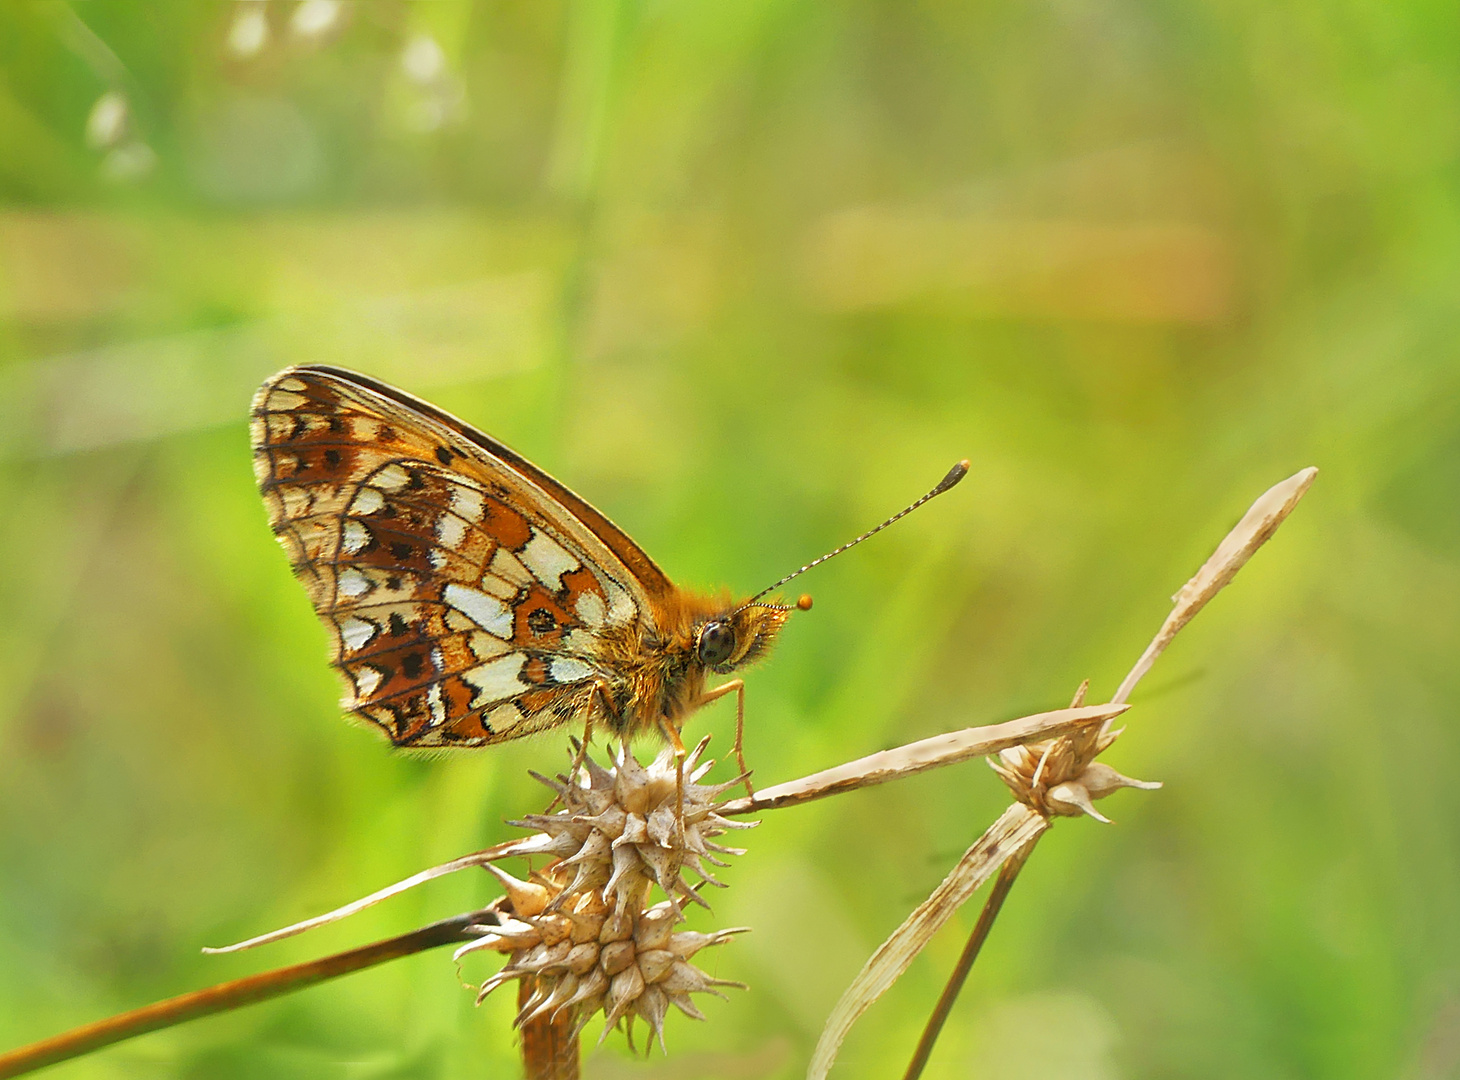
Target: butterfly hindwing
[{"x": 466, "y": 592}]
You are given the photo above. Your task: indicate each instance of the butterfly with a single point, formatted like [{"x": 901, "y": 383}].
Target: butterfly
[{"x": 471, "y": 598}]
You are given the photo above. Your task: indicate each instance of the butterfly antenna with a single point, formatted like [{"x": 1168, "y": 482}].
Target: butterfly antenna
[{"x": 955, "y": 474}]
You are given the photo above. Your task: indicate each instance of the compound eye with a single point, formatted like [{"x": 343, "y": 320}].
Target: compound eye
[{"x": 717, "y": 643}]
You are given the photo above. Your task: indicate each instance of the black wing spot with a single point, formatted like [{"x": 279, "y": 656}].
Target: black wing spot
[
  {"x": 411, "y": 664},
  {"x": 444, "y": 455},
  {"x": 337, "y": 424},
  {"x": 393, "y": 583},
  {"x": 398, "y": 625},
  {"x": 541, "y": 621},
  {"x": 401, "y": 550},
  {"x": 332, "y": 458},
  {"x": 416, "y": 482}
]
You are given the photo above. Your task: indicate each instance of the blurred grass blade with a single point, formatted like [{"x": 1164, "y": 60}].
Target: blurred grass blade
[{"x": 1016, "y": 827}]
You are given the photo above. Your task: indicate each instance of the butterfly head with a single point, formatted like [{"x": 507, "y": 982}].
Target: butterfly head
[{"x": 742, "y": 636}]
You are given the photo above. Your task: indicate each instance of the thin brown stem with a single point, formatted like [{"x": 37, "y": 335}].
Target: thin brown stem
[
  {"x": 1005, "y": 881},
  {"x": 549, "y": 1047},
  {"x": 232, "y": 995}
]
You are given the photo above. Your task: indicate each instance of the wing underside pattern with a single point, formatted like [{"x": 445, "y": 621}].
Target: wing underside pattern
[{"x": 465, "y": 602}]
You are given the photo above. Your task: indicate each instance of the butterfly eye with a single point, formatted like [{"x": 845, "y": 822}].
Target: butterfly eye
[{"x": 717, "y": 642}]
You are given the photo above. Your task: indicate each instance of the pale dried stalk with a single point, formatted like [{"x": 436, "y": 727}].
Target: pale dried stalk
[
  {"x": 479, "y": 858},
  {"x": 1018, "y": 827},
  {"x": 916, "y": 757},
  {"x": 892, "y": 958},
  {"x": 1239, "y": 545}
]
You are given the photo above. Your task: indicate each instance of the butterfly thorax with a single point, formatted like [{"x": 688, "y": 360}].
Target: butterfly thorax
[{"x": 657, "y": 670}]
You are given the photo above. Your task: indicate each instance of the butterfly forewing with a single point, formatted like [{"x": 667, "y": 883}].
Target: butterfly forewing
[{"x": 467, "y": 592}]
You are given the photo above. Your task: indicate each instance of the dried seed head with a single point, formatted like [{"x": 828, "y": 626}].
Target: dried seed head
[
  {"x": 1060, "y": 777},
  {"x": 582, "y": 931}
]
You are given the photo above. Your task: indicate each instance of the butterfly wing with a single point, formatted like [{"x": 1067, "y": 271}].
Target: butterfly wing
[{"x": 467, "y": 591}]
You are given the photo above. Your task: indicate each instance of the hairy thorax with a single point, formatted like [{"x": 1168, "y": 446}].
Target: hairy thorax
[{"x": 654, "y": 675}]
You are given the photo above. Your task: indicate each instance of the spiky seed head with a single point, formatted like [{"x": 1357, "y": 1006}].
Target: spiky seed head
[{"x": 582, "y": 931}]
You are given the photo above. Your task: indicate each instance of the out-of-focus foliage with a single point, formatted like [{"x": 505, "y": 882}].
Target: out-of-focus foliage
[{"x": 750, "y": 275}]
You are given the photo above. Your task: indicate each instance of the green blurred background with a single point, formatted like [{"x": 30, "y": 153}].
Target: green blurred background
[{"x": 749, "y": 276}]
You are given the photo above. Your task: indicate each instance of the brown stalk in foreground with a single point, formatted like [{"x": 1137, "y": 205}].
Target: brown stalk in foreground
[{"x": 231, "y": 995}]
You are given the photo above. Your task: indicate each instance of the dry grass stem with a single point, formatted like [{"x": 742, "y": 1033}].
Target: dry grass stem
[
  {"x": 1049, "y": 777},
  {"x": 1249, "y": 534},
  {"x": 1016, "y": 828},
  {"x": 916, "y": 757},
  {"x": 479, "y": 858}
]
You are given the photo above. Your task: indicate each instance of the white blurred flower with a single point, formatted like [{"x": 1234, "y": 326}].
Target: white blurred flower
[
  {"x": 438, "y": 97},
  {"x": 250, "y": 30},
  {"x": 315, "y": 18},
  {"x": 107, "y": 122},
  {"x": 423, "y": 61}
]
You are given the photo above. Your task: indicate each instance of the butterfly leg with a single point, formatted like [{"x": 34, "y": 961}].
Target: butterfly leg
[
  {"x": 582, "y": 753},
  {"x": 737, "y": 685},
  {"x": 599, "y": 699}
]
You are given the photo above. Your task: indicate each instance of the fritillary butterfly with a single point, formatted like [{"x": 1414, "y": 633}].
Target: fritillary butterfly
[{"x": 471, "y": 597}]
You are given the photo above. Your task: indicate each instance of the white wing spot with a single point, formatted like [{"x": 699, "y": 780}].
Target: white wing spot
[
  {"x": 497, "y": 679},
  {"x": 497, "y": 587},
  {"x": 580, "y": 641},
  {"x": 367, "y": 502},
  {"x": 621, "y": 606},
  {"x": 569, "y": 669},
  {"x": 468, "y": 502},
  {"x": 291, "y": 383},
  {"x": 437, "y": 704},
  {"x": 355, "y": 537},
  {"x": 506, "y": 566},
  {"x": 367, "y": 680},
  {"x": 488, "y": 612},
  {"x": 438, "y": 558},
  {"x": 450, "y": 530},
  {"x": 352, "y": 583},
  {"x": 548, "y": 559},
  {"x": 392, "y": 478},
  {"x": 364, "y": 429},
  {"x": 591, "y": 610},
  {"x": 356, "y": 632},
  {"x": 502, "y": 718},
  {"x": 485, "y": 646},
  {"x": 284, "y": 401}
]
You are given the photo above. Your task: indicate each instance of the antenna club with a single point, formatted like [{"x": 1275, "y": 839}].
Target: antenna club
[
  {"x": 955, "y": 474},
  {"x": 803, "y": 602}
]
